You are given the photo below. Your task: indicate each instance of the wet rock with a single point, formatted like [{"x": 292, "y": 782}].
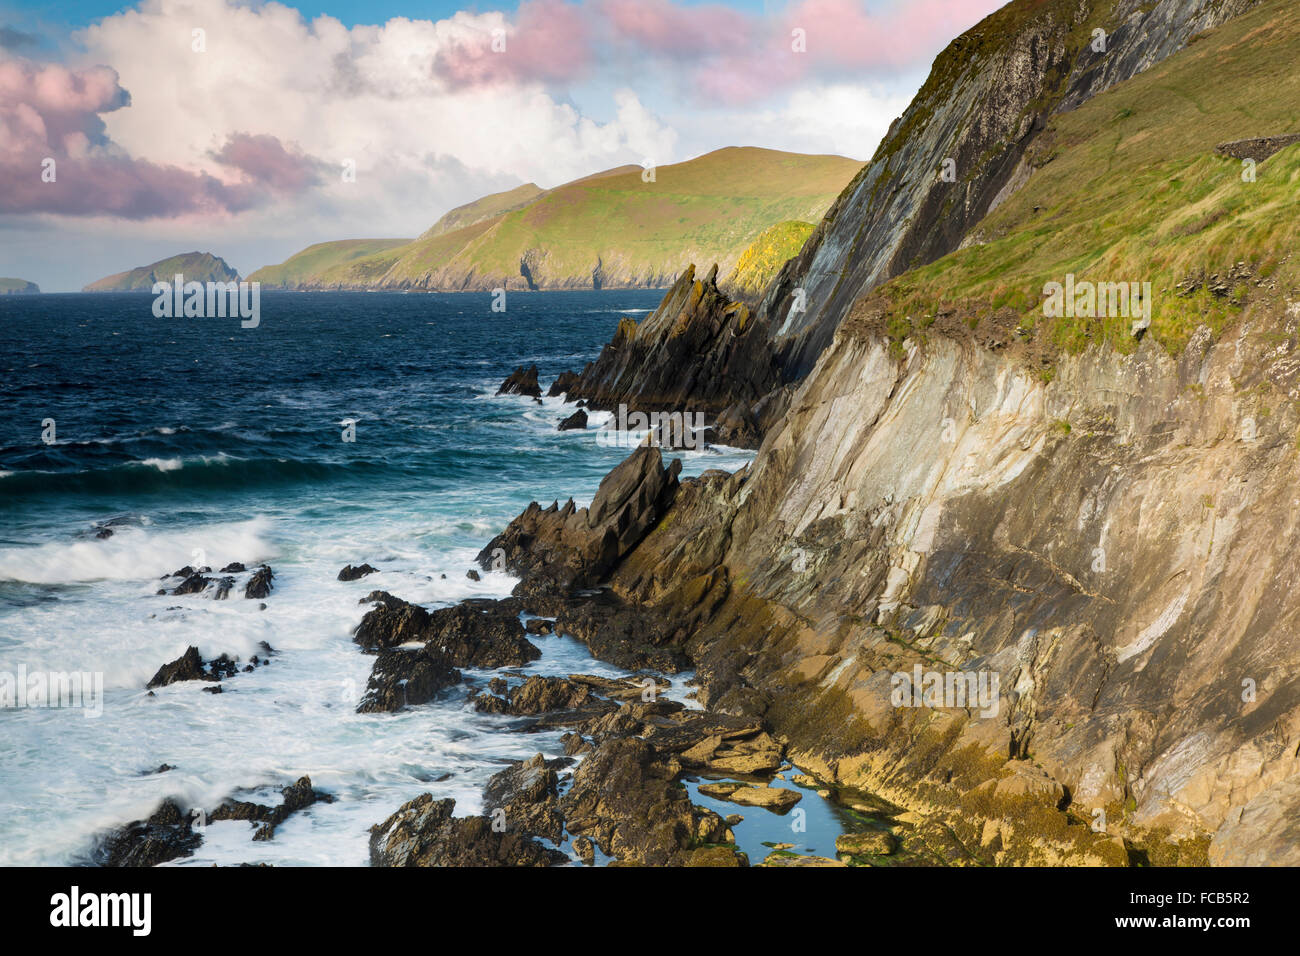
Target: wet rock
[
  {"x": 167, "y": 835},
  {"x": 194, "y": 583},
  {"x": 392, "y": 623},
  {"x": 869, "y": 843},
  {"x": 757, "y": 755},
  {"x": 259, "y": 585},
  {"x": 481, "y": 634},
  {"x": 585, "y": 849},
  {"x": 769, "y": 798},
  {"x": 402, "y": 678},
  {"x": 526, "y": 794},
  {"x": 563, "y": 382},
  {"x": 570, "y": 547},
  {"x": 564, "y": 702},
  {"x": 473, "y": 575},
  {"x": 626, "y": 635},
  {"x": 350, "y": 573},
  {"x": 189, "y": 666},
  {"x": 423, "y": 832},
  {"x": 522, "y": 381},
  {"x": 627, "y": 800},
  {"x": 575, "y": 422},
  {"x": 787, "y": 859},
  {"x": 296, "y": 797},
  {"x": 538, "y": 625},
  {"x": 223, "y": 588},
  {"x": 234, "y": 567}
]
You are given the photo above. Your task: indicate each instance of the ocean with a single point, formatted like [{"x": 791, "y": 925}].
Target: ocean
[{"x": 198, "y": 442}]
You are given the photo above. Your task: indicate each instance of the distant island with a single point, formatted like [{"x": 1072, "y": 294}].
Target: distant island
[
  {"x": 18, "y": 287},
  {"x": 745, "y": 208},
  {"x": 194, "y": 266}
]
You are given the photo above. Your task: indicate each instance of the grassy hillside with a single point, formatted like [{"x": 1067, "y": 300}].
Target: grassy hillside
[
  {"x": 613, "y": 229},
  {"x": 765, "y": 256},
  {"x": 486, "y": 208},
  {"x": 194, "y": 266},
  {"x": 307, "y": 266},
  {"x": 1129, "y": 188},
  {"x": 18, "y": 287}
]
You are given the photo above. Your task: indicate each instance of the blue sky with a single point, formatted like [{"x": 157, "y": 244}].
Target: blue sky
[{"x": 236, "y": 147}]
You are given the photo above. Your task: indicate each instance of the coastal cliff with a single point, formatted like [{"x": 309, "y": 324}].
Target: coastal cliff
[{"x": 1094, "y": 513}]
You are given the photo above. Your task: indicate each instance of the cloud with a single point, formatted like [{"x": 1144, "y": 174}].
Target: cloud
[
  {"x": 264, "y": 159},
  {"x": 548, "y": 42},
  {"x": 11, "y": 39},
  {"x": 55, "y": 156}
]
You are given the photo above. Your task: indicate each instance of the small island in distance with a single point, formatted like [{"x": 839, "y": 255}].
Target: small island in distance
[
  {"x": 18, "y": 287},
  {"x": 194, "y": 266}
]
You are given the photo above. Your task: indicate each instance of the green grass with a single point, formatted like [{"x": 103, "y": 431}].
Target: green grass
[
  {"x": 702, "y": 211},
  {"x": 307, "y": 266},
  {"x": 763, "y": 258},
  {"x": 194, "y": 266},
  {"x": 1135, "y": 192}
]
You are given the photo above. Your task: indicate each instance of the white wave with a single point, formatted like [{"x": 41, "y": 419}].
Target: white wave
[
  {"x": 134, "y": 554},
  {"x": 164, "y": 464}
]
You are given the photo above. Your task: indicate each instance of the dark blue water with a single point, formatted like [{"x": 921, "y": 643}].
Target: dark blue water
[{"x": 200, "y": 442}]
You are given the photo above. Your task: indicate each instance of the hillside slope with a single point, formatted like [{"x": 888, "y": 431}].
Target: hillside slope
[
  {"x": 1104, "y": 521},
  {"x": 194, "y": 266},
  {"x": 18, "y": 287},
  {"x": 611, "y": 230},
  {"x": 306, "y": 269}
]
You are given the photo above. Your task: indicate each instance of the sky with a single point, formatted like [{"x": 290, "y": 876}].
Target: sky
[{"x": 134, "y": 131}]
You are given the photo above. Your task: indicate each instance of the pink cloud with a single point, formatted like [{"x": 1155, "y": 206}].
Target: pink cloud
[
  {"x": 725, "y": 55},
  {"x": 548, "y": 42},
  {"x": 51, "y": 113},
  {"x": 264, "y": 159},
  {"x": 662, "y": 27}
]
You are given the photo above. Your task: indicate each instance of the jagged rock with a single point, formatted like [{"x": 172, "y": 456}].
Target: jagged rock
[
  {"x": 699, "y": 352},
  {"x": 522, "y": 381},
  {"x": 296, "y": 797},
  {"x": 627, "y": 801},
  {"x": 404, "y": 678},
  {"x": 482, "y": 634},
  {"x": 259, "y": 585},
  {"x": 423, "y": 832},
  {"x": 189, "y": 666},
  {"x": 575, "y": 422},
  {"x": 167, "y": 835},
  {"x": 349, "y": 573},
  {"x": 473, "y": 575},
  {"x": 563, "y": 382},
  {"x": 194, "y": 583},
  {"x": 570, "y": 547},
  {"x": 527, "y": 796},
  {"x": 234, "y": 567},
  {"x": 392, "y": 623},
  {"x": 1258, "y": 149}
]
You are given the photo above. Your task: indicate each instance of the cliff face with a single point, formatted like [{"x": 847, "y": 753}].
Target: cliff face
[
  {"x": 699, "y": 350},
  {"x": 1103, "y": 533},
  {"x": 988, "y": 95},
  {"x": 1117, "y": 545}
]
